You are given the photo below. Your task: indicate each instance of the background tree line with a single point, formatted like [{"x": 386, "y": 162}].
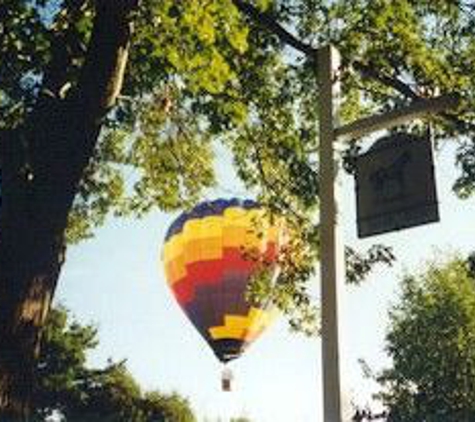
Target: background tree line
[
  {"x": 431, "y": 343},
  {"x": 70, "y": 390}
]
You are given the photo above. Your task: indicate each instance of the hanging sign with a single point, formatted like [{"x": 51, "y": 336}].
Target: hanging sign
[{"x": 395, "y": 185}]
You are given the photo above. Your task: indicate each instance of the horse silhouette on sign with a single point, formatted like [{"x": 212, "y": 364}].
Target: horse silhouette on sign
[{"x": 389, "y": 182}]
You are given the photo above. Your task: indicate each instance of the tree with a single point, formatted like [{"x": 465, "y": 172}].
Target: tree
[
  {"x": 159, "y": 407},
  {"x": 64, "y": 69},
  {"x": 114, "y": 108},
  {"x": 68, "y": 387},
  {"x": 61, "y": 370},
  {"x": 431, "y": 341}
]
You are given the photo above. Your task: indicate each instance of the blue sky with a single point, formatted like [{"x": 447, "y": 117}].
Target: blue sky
[{"x": 116, "y": 281}]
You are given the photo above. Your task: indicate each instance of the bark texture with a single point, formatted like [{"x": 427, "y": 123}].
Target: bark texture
[{"x": 42, "y": 163}]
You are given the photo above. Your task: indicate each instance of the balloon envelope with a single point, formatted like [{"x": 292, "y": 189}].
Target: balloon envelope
[{"x": 210, "y": 254}]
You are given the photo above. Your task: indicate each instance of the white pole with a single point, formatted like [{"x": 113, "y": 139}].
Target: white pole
[{"x": 331, "y": 254}]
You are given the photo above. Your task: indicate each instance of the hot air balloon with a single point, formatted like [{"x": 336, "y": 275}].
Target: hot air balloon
[{"x": 210, "y": 255}]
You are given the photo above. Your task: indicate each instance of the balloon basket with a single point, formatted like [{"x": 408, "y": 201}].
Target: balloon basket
[{"x": 226, "y": 380}]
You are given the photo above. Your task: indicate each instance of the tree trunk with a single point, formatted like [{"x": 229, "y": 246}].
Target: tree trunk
[
  {"x": 42, "y": 163},
  {"x": 45, "y": 161},
  {"x": 20, "y": 342}
]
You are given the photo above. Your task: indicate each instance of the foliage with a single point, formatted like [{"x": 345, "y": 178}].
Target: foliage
[
  {"x": 61, "y": 367},
  {"x": 158, "y": 407},
  {"x": 360, "y": 265},
  {"x": 431, "y": 341},
  {"x": 202, "y": 72},
  {"x": 67, "y": 386}
]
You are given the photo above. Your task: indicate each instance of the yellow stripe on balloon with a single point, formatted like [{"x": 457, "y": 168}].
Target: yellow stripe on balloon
[
  {"x": 234, "y": 326},
  {"x": 206, "y": 249},
  {"x": 172, "y": 248},
  {"x": 235, "y": 213},
  {"x": 233, "y": 235},
  {"x": 193, "y": 229},
  {"x": 260, "y": 320},
  {"x": 201, "y": 228},
  {"x": 197, "y": 229},
  {"x": 223, "y": 332},
  {"x": 243, "y": 327},
  {"x": 175, "y": 270},
  {"x": 236, "y": 321},
  {"x": 212, "y": 226}
]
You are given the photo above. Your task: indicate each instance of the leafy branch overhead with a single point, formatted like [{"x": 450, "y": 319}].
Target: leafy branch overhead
[{"x": 236, "y": 72}]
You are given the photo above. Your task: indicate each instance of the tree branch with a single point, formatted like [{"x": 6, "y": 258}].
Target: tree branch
[
  {"x": 103, "y": 72},
  {"x": 66, "y": 46},
  {"x": 267, "y": 21},
  {"x": 370, "y": 72}
]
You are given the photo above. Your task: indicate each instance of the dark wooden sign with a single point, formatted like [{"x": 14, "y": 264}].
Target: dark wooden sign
[{"x": 395, "y": 185}]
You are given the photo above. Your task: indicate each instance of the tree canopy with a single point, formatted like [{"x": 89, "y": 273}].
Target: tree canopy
[
  {"x": 67, "y": 386},
  {"x": 431, "y": 341},
  {"x": 199, "y": 73}
]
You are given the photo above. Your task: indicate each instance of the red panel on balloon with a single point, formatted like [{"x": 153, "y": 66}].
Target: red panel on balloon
[
  {"x": 211, "y": 273},
  {"x": 183, "y": 291}
]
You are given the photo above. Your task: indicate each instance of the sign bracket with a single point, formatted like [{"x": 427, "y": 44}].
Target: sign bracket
[{"x": 396, "y": 117}]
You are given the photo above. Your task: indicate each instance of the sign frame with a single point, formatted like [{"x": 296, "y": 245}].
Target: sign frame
[{"x": 395, "y": 185}]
